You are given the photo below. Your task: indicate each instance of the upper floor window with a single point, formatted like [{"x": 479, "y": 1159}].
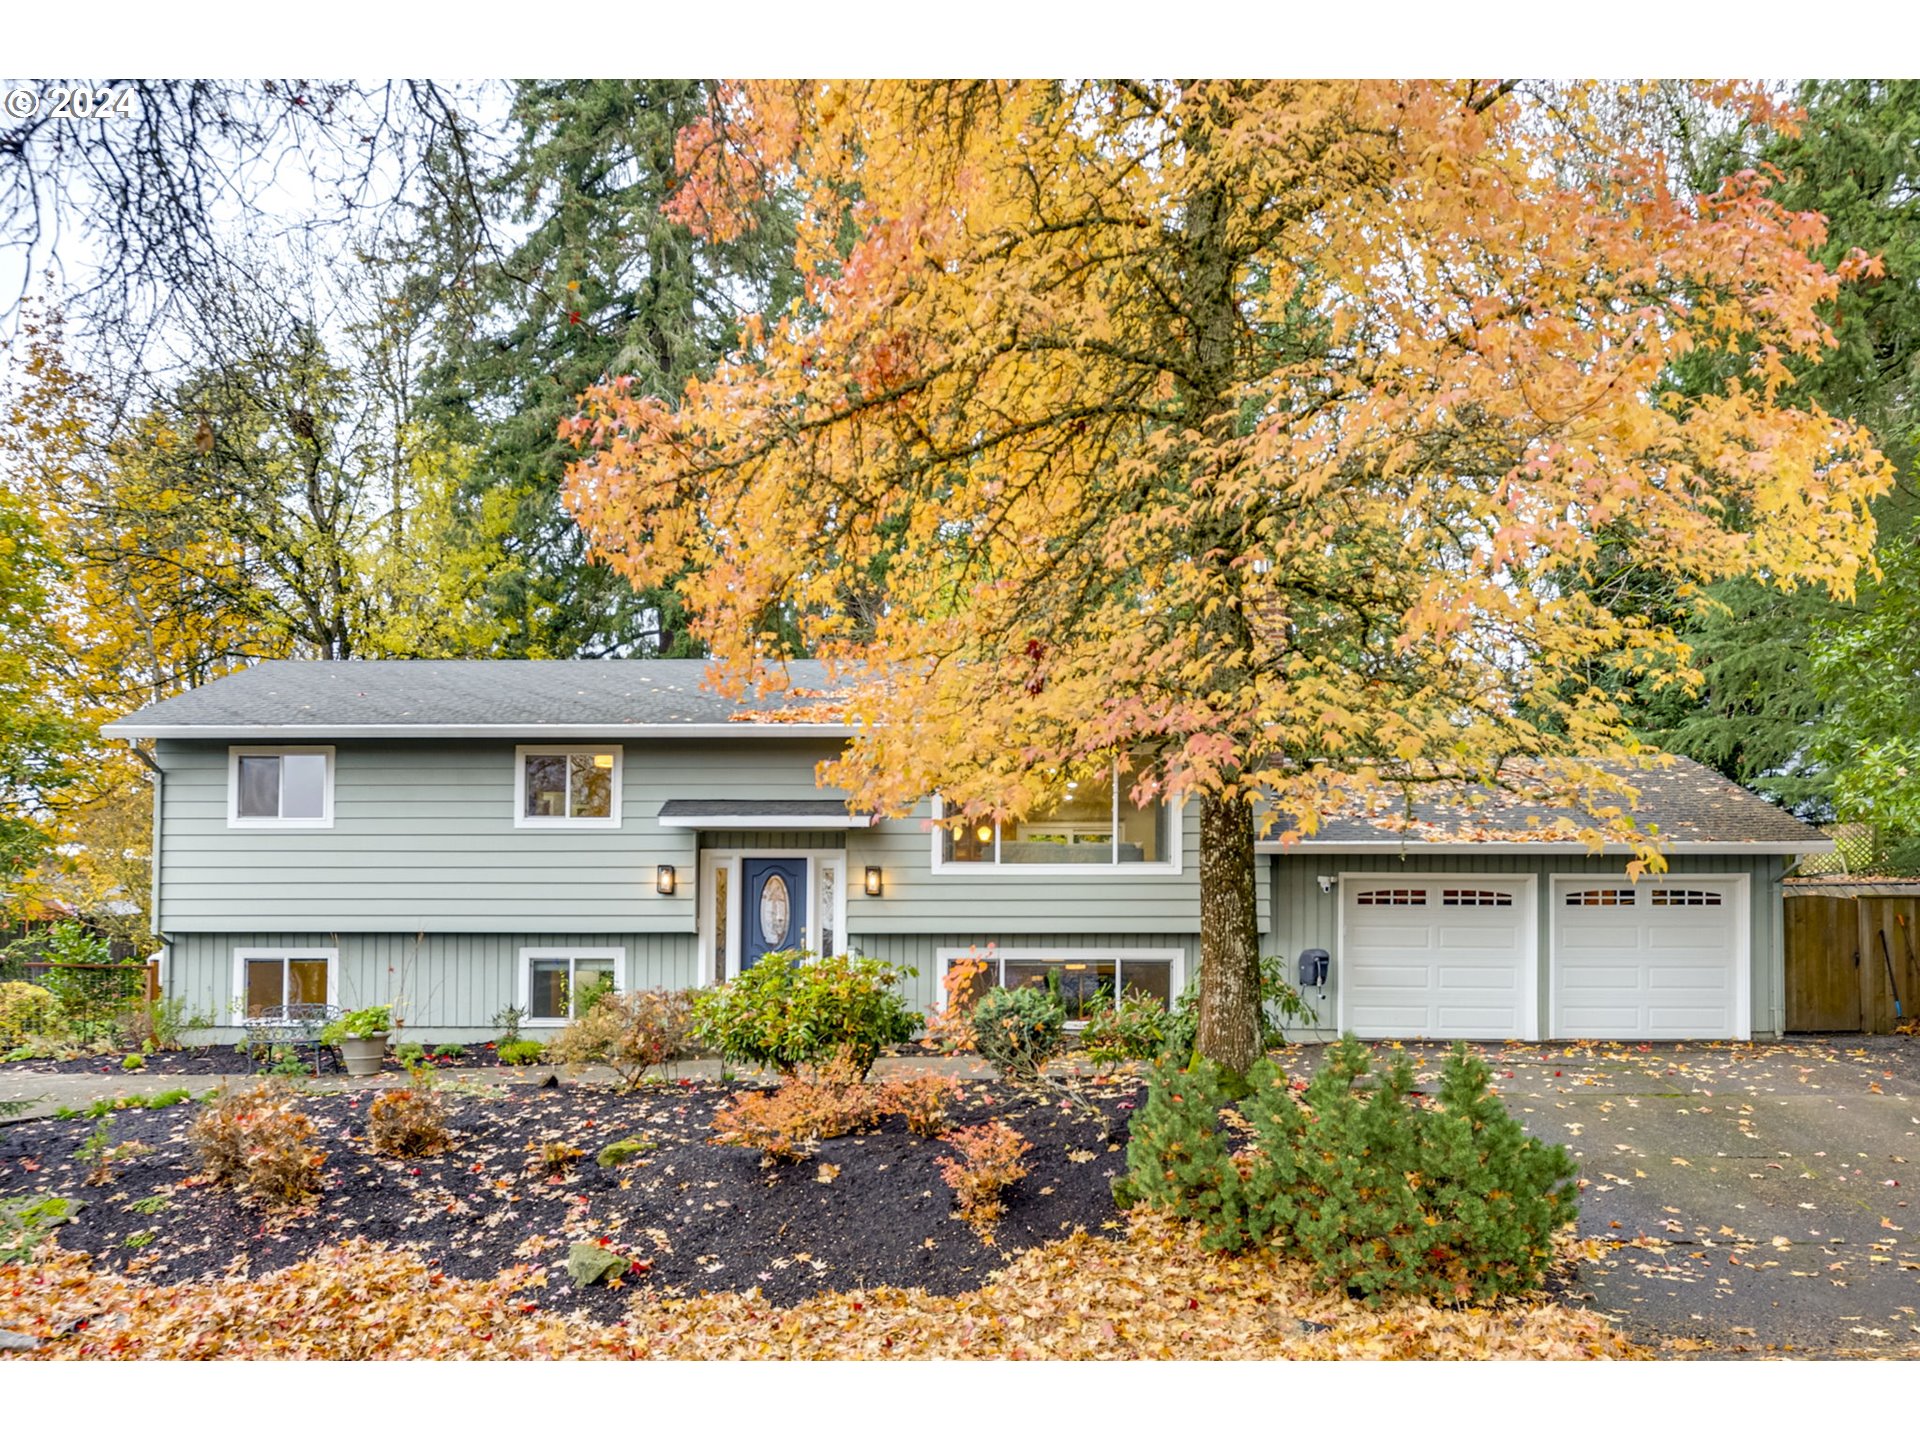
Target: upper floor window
[
  {"x": 562, "y": 785},
  {"x": 281, "y": 786},
  {"x": 1096, "y": 822}
]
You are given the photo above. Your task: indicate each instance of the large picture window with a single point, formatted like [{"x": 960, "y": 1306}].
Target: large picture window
[
  {"x": 558, "y": 985},
  {"x": 280, "y": 787},
  {"x": 1084, "y": 979},
  {"x": 567, "y": 786},
  {"x": 1096, "y": 822}
]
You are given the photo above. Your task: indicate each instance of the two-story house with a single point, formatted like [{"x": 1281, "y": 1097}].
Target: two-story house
[{"x": 459, "y": 837}]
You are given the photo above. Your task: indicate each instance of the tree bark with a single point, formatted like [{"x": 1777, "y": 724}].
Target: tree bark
[{"x": 1229, "y": 1033}]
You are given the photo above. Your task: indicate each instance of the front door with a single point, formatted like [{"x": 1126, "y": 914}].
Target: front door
[{"x": 773, "y": 907}]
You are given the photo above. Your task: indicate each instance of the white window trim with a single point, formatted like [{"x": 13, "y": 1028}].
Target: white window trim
[
  {"x": 1528, "y": 908},
  {"x": 524, "y": 821},
  {"x": 944, "y": 958},
  {"x": 712, "y": 861},
  {"x": 996, "y": 869},
  {"x": 237, "y": 821},
  {"x": 242, "y": 954},
  {"x": 616, "y": 953},
  {"x": 1741, "y": 903}
]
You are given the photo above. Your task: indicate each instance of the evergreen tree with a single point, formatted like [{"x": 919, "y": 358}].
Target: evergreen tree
[{"x": 598, "y": 283}]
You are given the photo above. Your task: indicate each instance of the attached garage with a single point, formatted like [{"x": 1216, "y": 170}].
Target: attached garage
[
  {"x": 1447, "y": 957},
  {"x": 1457, "y": 915},
  {"x": 1665, "y": 959}
]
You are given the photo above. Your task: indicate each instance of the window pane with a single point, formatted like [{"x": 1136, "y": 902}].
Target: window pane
[
  {"x": 591, "y": 980},
  {"x": 1080, "y": 982},
  {"x": 592, "y": 787},
  {"x": 264, "y": 978},
  {"x": 307, "y": 982},
  {"x": 1143, "y": 830},
  {"x": 720, "y": 873},
  {"x": 303, "y": 787},
  {"x": 1151, "y": 978},
  {"x": 1076, "y": 831},
  {"x": 829, "y": 884},
  {"x": 259, "y": 789},
  {"x": 546, "y": 786},
  {"x": 547, "y": 990},
  {"x": 968, "y": 841}
]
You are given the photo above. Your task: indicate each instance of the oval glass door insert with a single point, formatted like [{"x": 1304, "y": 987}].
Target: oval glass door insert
[{"x": 775, "y": 911}]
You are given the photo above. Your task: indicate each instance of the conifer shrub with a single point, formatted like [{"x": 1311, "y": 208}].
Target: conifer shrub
[
  {"x": 791, "y": 1010},
  {"x": 1382, "y": 1194},
  {"x": 409, "y": 1122},
  {"x": 255, "y": 1141},
  {"x": 1177, "y": 1158},
  {"x": 1018, "y": 1031},
  {"x": 629, "y": 1032},
  {"x": 992, "y": 1157}
]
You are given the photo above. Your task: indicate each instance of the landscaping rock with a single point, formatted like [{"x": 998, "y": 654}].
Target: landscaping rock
[
  {"x": 14, "y": 1341},
  {"x": 589, "y": 1264}
]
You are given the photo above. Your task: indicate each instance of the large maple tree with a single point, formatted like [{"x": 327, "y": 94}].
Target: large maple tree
[{"x": 1266, "y": 436}]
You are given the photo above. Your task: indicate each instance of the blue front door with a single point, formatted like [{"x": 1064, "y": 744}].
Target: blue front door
[{"x": 773, "y": 903}]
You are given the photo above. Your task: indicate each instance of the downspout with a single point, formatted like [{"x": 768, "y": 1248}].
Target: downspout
[{"x": 153, "y": 897}]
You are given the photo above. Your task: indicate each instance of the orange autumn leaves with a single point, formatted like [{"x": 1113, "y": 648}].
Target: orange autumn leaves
[{"x": 1285, "y": 437}]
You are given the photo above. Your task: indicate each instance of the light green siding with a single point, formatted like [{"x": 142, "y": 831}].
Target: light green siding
[
  {"x": 423, "y": 841},
  {"x": 1306, "y": 918},
  {"x": 445, "y": 987}
]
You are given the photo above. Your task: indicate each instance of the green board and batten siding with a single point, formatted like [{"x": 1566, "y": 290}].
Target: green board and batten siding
[
  {"x": 1308, "y": 918},
  {"x": 427, "y": 889}
]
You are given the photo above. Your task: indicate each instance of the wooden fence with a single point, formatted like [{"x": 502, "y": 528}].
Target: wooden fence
[{"x": 1853, "y": 959}]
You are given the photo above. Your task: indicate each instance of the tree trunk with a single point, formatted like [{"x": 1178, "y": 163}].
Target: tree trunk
[{"x": 1229, "y": 937}]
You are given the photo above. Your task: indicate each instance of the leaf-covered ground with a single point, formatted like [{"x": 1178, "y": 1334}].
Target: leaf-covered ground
[
  {"x": 869, "y": 1209},
  {"x": 1147, "y": 1294}
]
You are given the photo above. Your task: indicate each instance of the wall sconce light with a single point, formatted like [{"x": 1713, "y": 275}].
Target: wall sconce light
[
  {"x": 663, "y": 880},
  {"x": 873, "y": 880}
]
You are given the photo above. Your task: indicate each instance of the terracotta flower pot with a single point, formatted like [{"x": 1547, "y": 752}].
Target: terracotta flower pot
[{"x": 363, "y": 1056}]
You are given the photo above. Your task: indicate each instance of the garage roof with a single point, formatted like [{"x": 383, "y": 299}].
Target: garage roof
[{"x": 1685, "y": 805}]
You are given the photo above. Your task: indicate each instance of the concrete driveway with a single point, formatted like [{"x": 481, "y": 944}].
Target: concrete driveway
[{"x": 1745, "y": 1199}]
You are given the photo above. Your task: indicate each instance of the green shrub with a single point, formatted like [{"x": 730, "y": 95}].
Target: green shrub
[
  {"x": 449, "y": 1052},
  {"x": 790, "y": 1010},
  {"x": 133, "y": 1062},
  {"x": 521, "y": 1052},
  {"x": 26, "y": 1011},
  {"x": 1134, "y": 1028},
  {"x": 1383, "y": 1195},
  {"x": 410, "y": 1054},
  {"x": 629, "y": 1032},
  {"x": 1280, "y": 1005},
  {"x": 1018, "y": 1031},
  {"x": 1177, "y": 1158},
  {"x": 155, "y": 1024},
  {"x": 509, "y": 1020}
]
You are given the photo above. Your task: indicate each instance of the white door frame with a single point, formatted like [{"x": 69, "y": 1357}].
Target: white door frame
[
  {"x": 1742, "y": 899},
  {"x": 1529, "y": 898},
  {"x": 712, "y": 861}
]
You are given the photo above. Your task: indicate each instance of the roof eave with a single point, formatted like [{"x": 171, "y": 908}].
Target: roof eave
[
  {"x": 1539, "y": 847},
  {"x": 705, "y": 730},
  {"x": 747, "y": 820}
]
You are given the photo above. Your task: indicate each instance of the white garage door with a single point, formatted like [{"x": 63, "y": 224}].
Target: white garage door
[
  {"x": 1444, "y": 958},
  {"x": 1656, "y": 961}
]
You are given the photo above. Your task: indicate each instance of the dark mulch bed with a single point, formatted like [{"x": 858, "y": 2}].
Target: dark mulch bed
[
  {"x": 707, "y": 1217},
  {"x": 226, "y": 1060}
]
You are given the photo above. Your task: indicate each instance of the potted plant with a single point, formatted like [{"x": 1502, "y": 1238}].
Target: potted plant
[{"x": 361, "y": 1038}]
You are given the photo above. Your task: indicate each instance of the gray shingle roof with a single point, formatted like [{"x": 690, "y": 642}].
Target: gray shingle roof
[
  {"x": 1684, "y": 803},
  {"x": 292, "y": 698}
]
